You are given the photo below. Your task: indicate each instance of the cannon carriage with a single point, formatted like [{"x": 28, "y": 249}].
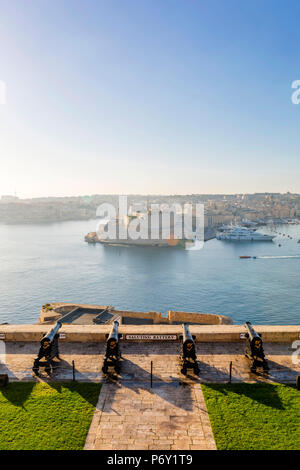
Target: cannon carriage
[
  {"x": 112, "y": 354},
  {"x": 48, "y": 351},
  {"x": 254, "y": 349},
  {"x": 188, "y": 357}
]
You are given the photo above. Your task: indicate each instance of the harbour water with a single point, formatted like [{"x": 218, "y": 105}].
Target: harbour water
[{"x": 51, "y": 262}]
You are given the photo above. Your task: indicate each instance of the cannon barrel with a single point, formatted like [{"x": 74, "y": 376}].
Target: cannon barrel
[
  {"x": 188, "y": 343},
  {"x": 114, "y": 335},
  {"x": 48, "y": 350},
  {"x": 51, "y": 334},
  {"x": 188, "y": 351},
  {"x": 186, "y": 334},
  {"x": 112, "y": 355},
  {"x": 255, "y": 351},
  {"x": 253, "y": 335}
]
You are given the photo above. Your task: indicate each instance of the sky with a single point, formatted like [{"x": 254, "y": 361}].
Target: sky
[{"x": 149, "y": 96}]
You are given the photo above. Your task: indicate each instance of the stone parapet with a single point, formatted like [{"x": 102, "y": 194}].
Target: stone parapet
[
  {"x": 203, "y": 333},
  {"x": 156, "y": 317},
  {"x": 194, "y": 317}
]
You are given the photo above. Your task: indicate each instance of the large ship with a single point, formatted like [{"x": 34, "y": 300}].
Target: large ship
[{"x": 237, "y": 233}]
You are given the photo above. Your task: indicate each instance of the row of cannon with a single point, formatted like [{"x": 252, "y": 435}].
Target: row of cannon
[
  {"x": 49, "y": 352},
  {"x": 254, "y": 350}
]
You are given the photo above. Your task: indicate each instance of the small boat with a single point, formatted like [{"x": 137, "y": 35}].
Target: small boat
[
  {"x": 279, "y": 244},
  {"x": 298, "y": 241},
  {"x": 245, "y": 257}
]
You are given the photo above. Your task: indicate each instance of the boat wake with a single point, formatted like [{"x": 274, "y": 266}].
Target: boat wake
[{"x": 278, "y": 257}]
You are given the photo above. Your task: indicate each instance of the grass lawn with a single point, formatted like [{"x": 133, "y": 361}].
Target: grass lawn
[
  {"x": 254, "y": 416},
  {"x": 46, "y": 416}
]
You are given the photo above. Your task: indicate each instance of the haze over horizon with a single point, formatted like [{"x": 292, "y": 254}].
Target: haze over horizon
[
  {"x": 149, "y": 98},
  {"x": 145, "y": 195}
]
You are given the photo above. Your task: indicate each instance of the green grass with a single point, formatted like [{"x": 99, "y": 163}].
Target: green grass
[
  {"x": 46, "y": 416},
  {"x": 254, "y": 416}
]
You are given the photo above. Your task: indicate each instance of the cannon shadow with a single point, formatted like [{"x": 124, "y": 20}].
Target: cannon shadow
[
  {"x": 212, "y": 374},
  {"x": 85, "y": 392},
  {"x": 17, "y": 392},
  {"x": 279, "y": 372},
  {"x": 141, "y": 380},
  {"x": 263, "y": 393}
]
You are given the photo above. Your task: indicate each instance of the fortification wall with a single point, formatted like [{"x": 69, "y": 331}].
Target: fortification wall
[
  {"x": 50, "y": 313},
  {"x": 194, "y": 317},
  {"x": 97, "y": 333}
]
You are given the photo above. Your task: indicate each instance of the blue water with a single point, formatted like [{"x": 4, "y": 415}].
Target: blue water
[{"x": 44, "y": 263}]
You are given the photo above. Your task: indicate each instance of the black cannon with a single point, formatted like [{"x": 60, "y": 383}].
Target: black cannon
[
  {"x": 112, "y": 354},
  {"x": 48, "y": 350},
  {"x": 254, "y": 349},
  {"x": 188, "y": 351}
]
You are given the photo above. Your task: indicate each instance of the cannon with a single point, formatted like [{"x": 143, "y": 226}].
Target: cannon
[
  {"x": 188, "y": 356},
  {"x": 112, "y": 353},
  {"x": 48, "y": 350},
  {"x": 254, "y": 350}
]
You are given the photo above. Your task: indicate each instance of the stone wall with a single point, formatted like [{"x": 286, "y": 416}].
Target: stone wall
[
  {"x": 58, "y": 309},
  {"x": 173, "y": 317},
  {"x": 97, "y": 333},
  {"x": 156, "y": 317},
  {"x": 194, "y": 317}
]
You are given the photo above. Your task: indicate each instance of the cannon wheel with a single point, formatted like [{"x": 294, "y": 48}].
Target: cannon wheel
[
  {"x": 104, "y": 369},
  {"x": 184, "y": 370}
]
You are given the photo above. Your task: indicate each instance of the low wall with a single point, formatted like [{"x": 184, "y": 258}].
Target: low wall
[
  {"x": 204, "y": 318},
  {"x": 156, "y": 317},
  {"x": 58, "y": 309},
  {"x": 203, "y": 333}
]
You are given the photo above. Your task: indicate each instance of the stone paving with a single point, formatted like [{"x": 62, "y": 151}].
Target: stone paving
[
  {"x": 214, "y": 360},
  {"x": 168, "y": 416}
]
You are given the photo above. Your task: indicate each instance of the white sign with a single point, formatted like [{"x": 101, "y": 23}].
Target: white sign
[
  {"x": 243, "y": 336},
  {"x": 2, "y": 335},
  {"x": 152, "y": 337},
  {"x": 62, "y": 335}
]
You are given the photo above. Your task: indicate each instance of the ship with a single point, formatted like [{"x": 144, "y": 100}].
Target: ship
[{"x": 237, "y": 233}]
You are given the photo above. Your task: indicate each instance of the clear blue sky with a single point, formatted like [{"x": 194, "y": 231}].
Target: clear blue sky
[{"x": 149, "y": 96}]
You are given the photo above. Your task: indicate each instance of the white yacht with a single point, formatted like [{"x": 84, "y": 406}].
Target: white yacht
[{"x": 243, "y": 233}]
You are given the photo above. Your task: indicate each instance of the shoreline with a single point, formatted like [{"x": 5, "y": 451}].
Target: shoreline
[{"x": 92, "y": 238}]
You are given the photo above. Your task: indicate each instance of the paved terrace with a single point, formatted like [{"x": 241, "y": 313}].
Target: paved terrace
[
  {"x": 217, "y": 346},
  {"x": 170, "y": 415}
]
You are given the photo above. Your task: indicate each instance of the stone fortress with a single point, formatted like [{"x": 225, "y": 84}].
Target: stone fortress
[{"x": 84, "y": 314}]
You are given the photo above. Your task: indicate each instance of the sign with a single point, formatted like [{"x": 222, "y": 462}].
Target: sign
[
  {"x": 243, "y": 335},
  {"x": 152, "y": 337},
  {"x": 2, "y": 335},
  {"x": 62, "y": 335}
]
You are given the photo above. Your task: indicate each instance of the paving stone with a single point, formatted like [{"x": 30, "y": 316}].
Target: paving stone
[{"x": 131, "y": 414}]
